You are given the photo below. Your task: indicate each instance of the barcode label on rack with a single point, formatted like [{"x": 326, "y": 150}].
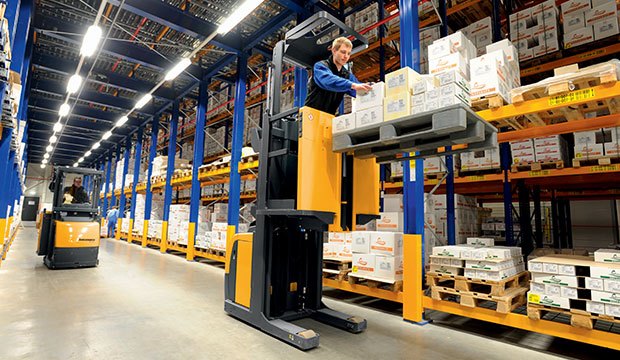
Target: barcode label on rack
[
  {"x": 540, "y": 173},
  {"x": 571, "y": 96},
  {"x": 603, "y": 168},
  {"x": 477, "y": 177}
]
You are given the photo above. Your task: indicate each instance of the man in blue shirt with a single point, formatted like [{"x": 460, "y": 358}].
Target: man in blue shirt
[
  {"x": 112, "y": 217},
  {"x": 331, "y": 79}
]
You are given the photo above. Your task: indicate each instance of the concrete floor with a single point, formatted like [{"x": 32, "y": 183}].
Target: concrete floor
[{"x": 139, "y": 304}]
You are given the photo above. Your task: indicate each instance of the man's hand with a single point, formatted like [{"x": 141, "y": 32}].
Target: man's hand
[{"x": 361, "y": 87}]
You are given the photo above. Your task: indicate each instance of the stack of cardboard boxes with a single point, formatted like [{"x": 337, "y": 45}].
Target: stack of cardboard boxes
[
  {"x": 577, "y": 282},
  {"x": 399, "y": 86},
  {"x": 466, "y": 218},
  {"x": 546, "y": 149},
  {"x": 480, "y": 160},
  {"x": 157, "y": 211},
  {"x": 534, "y": 30},
  {"x": 215, "y": 238},
  {"x": 338, "y": 246},
  {"x": 586, "y": 21},
  {"x": 377, "y": 255},
  {"x": 480, "y": 33},
  {"x": 478, "y": 259},
  {"x": 495, "y": 73},
  {"x": 427, "y": 37},
  {"x": 437, "y": 164},
  {"x": 178, "y": 221},
  {"x": 596, "y": 144}
]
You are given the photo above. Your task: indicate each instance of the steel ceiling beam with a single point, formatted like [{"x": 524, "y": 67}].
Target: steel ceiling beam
[
  {"x": 181, "y": 21},
  {"x": 294, "y": 6},
  {"x": 100, "y": 77},
  {"x": 267, "y": 29},
  {"x": 121, "y": 49}
]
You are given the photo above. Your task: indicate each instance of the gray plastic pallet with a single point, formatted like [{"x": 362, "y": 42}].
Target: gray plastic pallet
[{"x": 422, "y": 133}]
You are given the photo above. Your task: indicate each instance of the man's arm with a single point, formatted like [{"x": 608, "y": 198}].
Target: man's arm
[{"x": 326, "y": 80}]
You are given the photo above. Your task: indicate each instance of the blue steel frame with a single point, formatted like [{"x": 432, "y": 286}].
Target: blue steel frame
[
  {"x": 148, "y": 198},
  {"x": 136, "y": 178},
  {"x": 106, "y": 186},
  {"x": 234, "y": 190},
  {"x": 118, "y": 156},
  {"x": 172, "y": 144},
  {"x": 199, "y": 144}
]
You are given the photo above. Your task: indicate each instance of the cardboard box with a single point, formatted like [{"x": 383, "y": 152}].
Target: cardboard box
[
  {"x": 389, "y": 267},
  {"x": 498, "y": 253},
  {"x": 390, "y": 221},
  {"x": 369, "y": 117},
  {"x": 605, "y": 297},
  {"x": 568, "y": 270},
  {"x": 343, "y": 123},
  {"x": 595, "y": 284},
  {"x": 574, "y": 22},
  {"x": 400, "y": 81},
  {"x": 329, "y": 250},
  {"x": 550, "y": 268},
  {"x": 605, "y": 28},
  {"x": 589, "y": 145},
  {"x": 612, "y": 310},
  {"x": 569, "y": 292},
  {"x": 454, "y": 90},
  {"x": 470, "y": 273},
  {"x": 360, "y": 242},
  {"x": 393, "y": 202},
  {"x": 552, "y": 290},
  {"x": 425, "y": 83},
  {"x": 386, "y": 243},
  {"x": 370, "y": 99},
  {"x": 418, "y": 100},
  {"x": 363, "y": 264},
  {"x": 448, "y": 270},
  {"x": 537, "y": 288},
  {"x": 611, "y": 285},
  {"x": 448, "y": 251},
  {"x": 510, "y": 51},
  {"x": 454, "y": 61},
  {"x": 480, "y": 241},
  {"x": 595, "y": 307},
  {"x": 432, "y": 95},
  {"x": 572, "y": 7},
  {"x": 397, "y": 106},
  {"x": 605, "y": 272},
  {"x": 335, "y": 237},
  {"x": 578, "y": 37},
  {"x": 518, "y": 21},
  {"x": 606, "y": 11},
  {"x": 547, "y": 300},
  {"x": 535, "y": 266},
  {"x": 607, "y": 256},
  {"x": 488, "y": 76},
  {"x": 554, "y": 279},
  {"x": 454, "y": 77}
]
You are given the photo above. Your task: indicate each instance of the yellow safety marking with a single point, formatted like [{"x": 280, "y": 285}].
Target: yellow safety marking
[
  {"x": 603, "y": 168},
  {"x": 578, "y": 95},
  {"x": 540, "y": 173},
  {"x": 535, "y": 298},
  {"x": 476, "y": 177}
]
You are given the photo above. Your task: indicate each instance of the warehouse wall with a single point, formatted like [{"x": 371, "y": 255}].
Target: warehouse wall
[{"x": 37, "y": 182}]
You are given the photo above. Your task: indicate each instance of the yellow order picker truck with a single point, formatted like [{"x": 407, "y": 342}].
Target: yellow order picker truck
[{"x": 69, "y": 231}]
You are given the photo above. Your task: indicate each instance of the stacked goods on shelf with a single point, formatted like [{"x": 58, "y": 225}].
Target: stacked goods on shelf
[
  {"x": 214, "y": 239},
  {"x": 427, "y": 37},
  {"x": 549, "y": 149},
  {"x": 157, "y": 209},
  {"x": 178, "y": 221},
  {"x": 449, "y": 61},
  {"x": 434, "y": 165},
  {"x": 425, "y": 9},
  {"x": 215, "y": 140},
  {"x": 398, "y": 92},
  {"x": 466, "y": 218},
  {"x": 612, "y": 148},
  {"x": 480, "y": 160},
  {"x": 363, "y": 19},
  {"x": 478, "y": 272},
  {"x": 480, "y": 34},
  {"x": 337, "y": 246},
  {"x": 586, "y": 21},
  {"x": 590, "y": 145},
  {"x": 160, "y": 165},
  {"x": 253, "y": 118},
  {"x": 493, "y": 75},
  {"x": 534, "y": 31},
  {"x": 579, "y": 284},
  {"x": 377, "y": 255}
]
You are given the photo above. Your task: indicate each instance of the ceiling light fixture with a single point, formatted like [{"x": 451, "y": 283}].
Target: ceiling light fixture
[
  {"x": 74, "y": 84},
  {"x": 53, "y": 139},
  {"x": 121, "y": 121},
  {"x": 239, "y": 14},
  {"x": 46, "y": 156},
  {"x": 57, "y": 127},
  {"x": 96, "y": 145},
  {"x": 49, "y": 148},
  {"x": 107, "y": 135},
  {"x": 64, "y": 110},
  {"x": 178, "y": 69},
  {"x": 87, "y": 154},
  {"x": 91, "y": 40},
  {"x": 143, "y": 101}
]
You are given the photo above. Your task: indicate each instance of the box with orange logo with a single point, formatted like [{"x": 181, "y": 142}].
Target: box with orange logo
[
  {"x": 389, "y": 268},
  {"x": 386, "y": 243},
  {"x": 390, "y": 221},
  {"x": 363, "y": 264}
]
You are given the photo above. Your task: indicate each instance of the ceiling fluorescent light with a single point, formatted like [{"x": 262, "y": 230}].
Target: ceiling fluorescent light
[
  {"x": 91, "y": 40},
  {"x": 121, "y": 121},
  {"x": 143, "y": 101},
  {"x": 87, "y": 154},
  {"x": 74, "y": 84},
  {"x": 42, "y": 166},
  {"x": 44, "y": 161},
  {"x": 46, "y": 156},
  {"x": 81, "y": 159},
  {"x": 49, "y": 148},
  {"x": 96, "y": 145},
  {"x": 64, "y": 110},
  {"x": 178, "y": 69},
  {"x": 75, "y": 165},
  {"x": 107, "y": 135},
  {"x": 239, "y": 14},
  {"x": 53, "y": 139},
  {"x": 57, "y": 127}
]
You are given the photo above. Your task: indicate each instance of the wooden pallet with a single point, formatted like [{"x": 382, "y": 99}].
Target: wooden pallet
[
  {"x": 537, "y": 166},
  {"x": 434, "y": 176},
  {"x": 478, "y": 286},
  {"x": 512, "y": 299},
  {"x": 375, "y": 283},
  {"x": 480, "y": 171},
  {"x": 336, "y": 269},
  {"x": 603, "y": 161},
  {"x": 249, "y": 159},
  {"x": 488, "y": 102},
  {"x": 578, "y": 318},
  {"x": 221, "y": 253}
]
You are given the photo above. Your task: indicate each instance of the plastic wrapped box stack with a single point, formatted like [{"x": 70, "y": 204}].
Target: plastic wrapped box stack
[
  {"x": 534, "y": 30},
  {"x": 586, "y": 21}
]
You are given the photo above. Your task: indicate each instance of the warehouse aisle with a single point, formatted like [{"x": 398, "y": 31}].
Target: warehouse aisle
[{"x": 139, "y": 304}]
